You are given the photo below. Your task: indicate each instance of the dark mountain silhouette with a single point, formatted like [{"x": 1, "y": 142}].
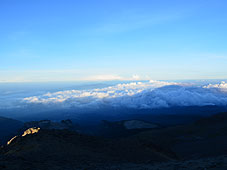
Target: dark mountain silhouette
[
  {"x": 8, "y": 128},
  {"x": 198, "y": 145},
  {"x": 68, "y": 149},
  {"x": 206, "y": 137}
]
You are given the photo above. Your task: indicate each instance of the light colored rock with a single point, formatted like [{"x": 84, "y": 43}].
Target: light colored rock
[
  {"x": 31, "y": 131},
  {"x": 27, "y": 132},
  {"x": 10, "y": 141}
]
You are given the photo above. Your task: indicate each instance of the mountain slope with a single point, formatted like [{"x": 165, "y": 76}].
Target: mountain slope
[
  {"x": 68, "y": 149},
  {"x": 204, "y": 138},
  {"x": 200, "y": 145},
  {"x": 8, "y": 128}
]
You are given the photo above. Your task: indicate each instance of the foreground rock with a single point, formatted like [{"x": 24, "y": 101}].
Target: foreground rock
[
  {"x": 63, "y": 149},
  {"x": 44, "y": 148},
  {"x": 200, "y": 145},
  {"x": 212, "y": 163},
  {"x": 29, "y": 131}
]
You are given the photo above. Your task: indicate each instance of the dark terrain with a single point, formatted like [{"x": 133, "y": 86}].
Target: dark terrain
[
  {"x": 8, "y": 128},
  {"x": 128, "y": 144}
]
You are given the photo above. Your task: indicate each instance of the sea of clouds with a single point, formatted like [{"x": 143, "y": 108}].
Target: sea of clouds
[{"x": 151, "y": 94}]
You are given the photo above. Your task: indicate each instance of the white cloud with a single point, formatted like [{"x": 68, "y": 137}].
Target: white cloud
[
  {"x": 222, "y": 86},
  {"x": 152, "y": 94},
  {"x": 120, "y": 90},
  {"x": 136, "y": 77}
]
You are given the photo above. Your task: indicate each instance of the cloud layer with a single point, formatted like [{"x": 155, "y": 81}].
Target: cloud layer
[
  {"x": 152, "y": 94},
  {"x": 222, "y": 86}
]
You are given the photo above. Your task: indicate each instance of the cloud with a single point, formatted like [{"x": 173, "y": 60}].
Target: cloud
[
  {"x": 152, "y": 94},
  {"x": 169, "y": 96},
  {"x": 135, "y": 77},
  {"x": 222, "y": 86},
  {"x": 100, "y": 95}
]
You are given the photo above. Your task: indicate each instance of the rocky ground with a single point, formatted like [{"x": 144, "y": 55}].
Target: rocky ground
[
  {"x": 212, "y": 163},
  {"x": 200, "y": 145}
]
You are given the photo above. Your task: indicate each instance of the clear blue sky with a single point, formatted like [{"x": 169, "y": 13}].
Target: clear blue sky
[{"x": 59, "y": 40}]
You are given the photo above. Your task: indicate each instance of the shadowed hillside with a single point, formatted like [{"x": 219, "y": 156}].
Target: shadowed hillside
[
  {"x": 198, "y": 145},
  {"x": 8, "y": 128},
  {"x": 69, "y": 149}
]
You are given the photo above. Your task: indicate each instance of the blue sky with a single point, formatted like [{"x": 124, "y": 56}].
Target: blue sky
[{"x": 64, "y": 40}]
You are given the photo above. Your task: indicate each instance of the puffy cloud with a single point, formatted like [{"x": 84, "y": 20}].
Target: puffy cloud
[
  {"x": 174, "y": 96},
  {"x": 222, "y": 86},
  {"x": 135, "y": 77},
  {"x": 152, "y": 94}
]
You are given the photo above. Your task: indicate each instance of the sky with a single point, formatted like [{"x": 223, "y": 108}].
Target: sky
[{"x": 75, "y": 40}]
